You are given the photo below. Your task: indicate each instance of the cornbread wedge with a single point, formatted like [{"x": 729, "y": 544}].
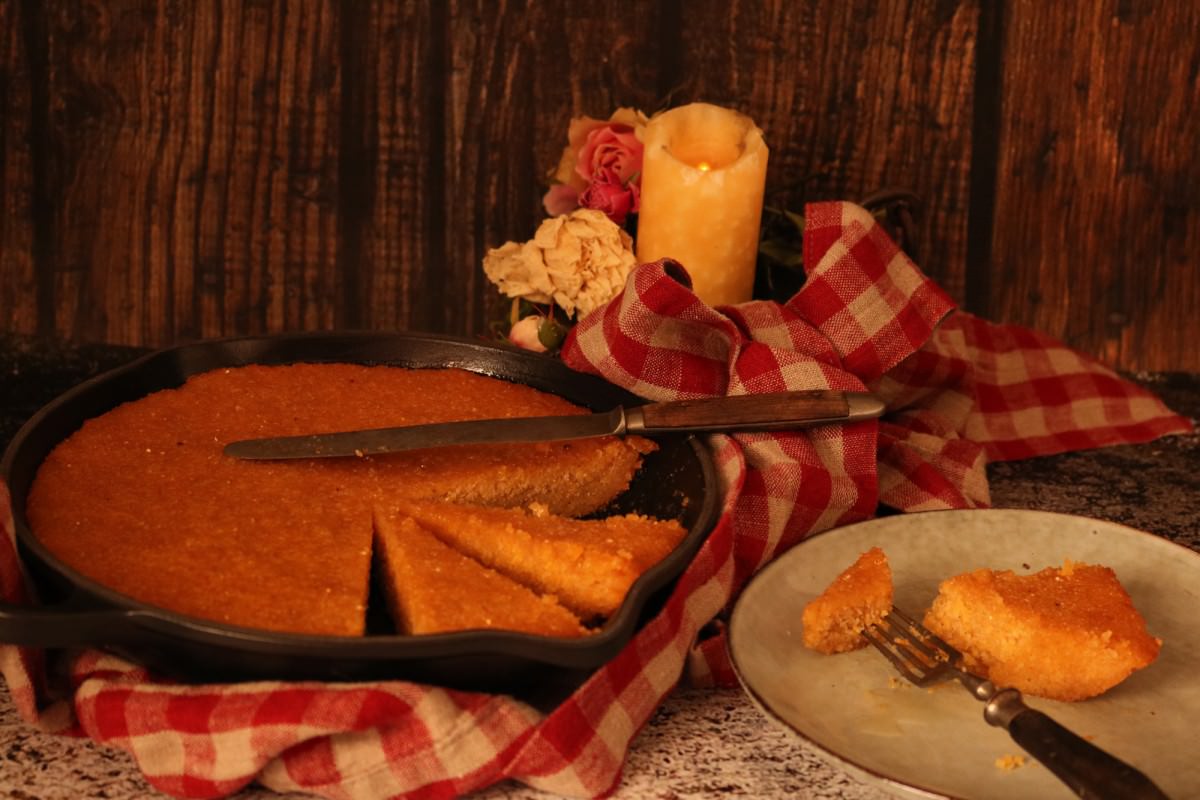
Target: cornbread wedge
[
  {"x": 589, "y": 565},
  {"x": 432, "y": 588},
  {"x": 860, "y": 596}
]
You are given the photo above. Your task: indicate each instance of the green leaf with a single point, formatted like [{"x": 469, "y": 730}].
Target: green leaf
[{"x": 782, "y": 251}]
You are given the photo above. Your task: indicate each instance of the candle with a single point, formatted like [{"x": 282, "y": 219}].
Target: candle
[{"x": 703, "y": 172}]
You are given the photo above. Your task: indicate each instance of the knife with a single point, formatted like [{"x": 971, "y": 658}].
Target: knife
[{"x": 752, "y": 412}]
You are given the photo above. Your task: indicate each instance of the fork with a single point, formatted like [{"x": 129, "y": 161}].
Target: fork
[{"x": 924, "y": 659}]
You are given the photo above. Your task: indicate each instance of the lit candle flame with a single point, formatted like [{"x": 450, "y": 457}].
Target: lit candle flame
[{"x": 704, "y": 166}]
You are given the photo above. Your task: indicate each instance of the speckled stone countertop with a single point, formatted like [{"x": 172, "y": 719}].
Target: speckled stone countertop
[{"x": 699, "y": 744}]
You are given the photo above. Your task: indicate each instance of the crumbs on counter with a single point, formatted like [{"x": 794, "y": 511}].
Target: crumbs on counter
[{"x": 1010, "y": 762}]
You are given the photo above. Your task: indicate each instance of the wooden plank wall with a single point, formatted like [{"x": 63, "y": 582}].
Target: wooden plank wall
[{"x": 173, "y": 171}]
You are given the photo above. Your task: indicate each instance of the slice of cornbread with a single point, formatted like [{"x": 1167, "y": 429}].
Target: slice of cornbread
[
  {"x": 589, "y": 565},
  {"x": 432, "y": 588},
  {"x": 1064, "y": 633},
  {"x": 859, "y": 597}
]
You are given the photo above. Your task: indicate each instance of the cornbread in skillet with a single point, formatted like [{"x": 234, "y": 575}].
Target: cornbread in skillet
[
  {"x": 859, "y": 597},
  {"x": 432, "y": 588},
  {"x": 1064, "y": 633},
  {"x": 588, "y": 565},
  {"x": 143, "y": 500}
]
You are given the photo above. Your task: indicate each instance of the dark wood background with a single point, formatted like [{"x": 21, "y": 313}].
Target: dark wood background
[{"x": 175, "y": 170}]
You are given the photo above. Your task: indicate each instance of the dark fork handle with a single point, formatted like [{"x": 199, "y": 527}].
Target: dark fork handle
[{"x": 1089, "y": 771}]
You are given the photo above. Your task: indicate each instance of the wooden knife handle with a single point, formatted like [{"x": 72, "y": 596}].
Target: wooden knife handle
[{"x": 743, "y": 412}]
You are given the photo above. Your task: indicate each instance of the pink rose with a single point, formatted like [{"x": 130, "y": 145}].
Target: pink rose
[
  {"x": 612, "y": 149},
  {"x": 570, "y": 171},
  {"x": 609, "y": 194}
]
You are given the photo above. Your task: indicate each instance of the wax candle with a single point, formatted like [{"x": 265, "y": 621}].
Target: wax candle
[{"x": 703, "y": 172}]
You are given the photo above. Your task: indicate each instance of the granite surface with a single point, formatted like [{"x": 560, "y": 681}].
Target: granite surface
[{"x": 699, "y": 744}]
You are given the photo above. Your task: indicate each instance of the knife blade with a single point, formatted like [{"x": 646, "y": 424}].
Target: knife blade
[{"x": 757, "y": 412}]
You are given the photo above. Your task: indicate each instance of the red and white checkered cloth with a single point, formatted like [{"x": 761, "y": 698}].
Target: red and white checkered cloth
[{"x": 959, "y": 391}]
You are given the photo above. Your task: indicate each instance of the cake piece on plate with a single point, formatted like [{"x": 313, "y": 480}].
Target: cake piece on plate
[
  {"x": 432, "y": 588},
  {"x": 589, "y": 565},
  {"x": 859, "y": 597},
  {"x": 1064, "y": 633}
]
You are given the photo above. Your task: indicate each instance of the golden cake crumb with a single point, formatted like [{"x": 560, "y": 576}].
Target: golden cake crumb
[{"x": 1009, "y": 763}]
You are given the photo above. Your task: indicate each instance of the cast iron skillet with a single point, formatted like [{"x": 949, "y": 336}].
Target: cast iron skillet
[{"x": 678, "y": 481}]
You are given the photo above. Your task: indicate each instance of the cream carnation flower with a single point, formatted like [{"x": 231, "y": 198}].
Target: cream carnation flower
[{"x": 579, "y": 261}]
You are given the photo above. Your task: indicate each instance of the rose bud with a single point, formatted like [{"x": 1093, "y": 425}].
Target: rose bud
[{"x": 524, "y": 334}]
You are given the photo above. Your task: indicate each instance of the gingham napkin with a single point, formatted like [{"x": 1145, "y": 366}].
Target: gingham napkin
[{"x": 959, "y": 390}]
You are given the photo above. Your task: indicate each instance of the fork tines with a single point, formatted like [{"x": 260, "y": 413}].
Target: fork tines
[{"x": 915, "y": 651}]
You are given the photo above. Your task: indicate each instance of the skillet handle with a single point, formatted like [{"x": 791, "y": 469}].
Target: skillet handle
[{"x": 65, "y": 625}]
